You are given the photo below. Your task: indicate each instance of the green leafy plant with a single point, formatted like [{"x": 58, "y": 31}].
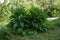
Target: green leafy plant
[
  {"x": 4, "y": 11},
  {"x": 24, "y": 21}
]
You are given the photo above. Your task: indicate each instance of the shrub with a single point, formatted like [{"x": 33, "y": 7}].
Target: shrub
[{"x": 27, "y": 21}]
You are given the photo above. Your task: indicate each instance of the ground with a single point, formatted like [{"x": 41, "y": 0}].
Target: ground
[{"x": 50, "y": 35}]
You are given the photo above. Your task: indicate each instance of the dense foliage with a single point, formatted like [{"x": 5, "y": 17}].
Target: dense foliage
[
  {"x": 52, "y": 7},
  {"x": 27, "y": 18},
  {"x": 24, "y": 21}
]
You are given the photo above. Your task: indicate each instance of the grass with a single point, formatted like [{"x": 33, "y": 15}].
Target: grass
[{"x": 50, "y": 35}]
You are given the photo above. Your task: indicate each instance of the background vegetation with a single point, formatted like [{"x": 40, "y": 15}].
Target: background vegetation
[{"x": 27, "y": 18}]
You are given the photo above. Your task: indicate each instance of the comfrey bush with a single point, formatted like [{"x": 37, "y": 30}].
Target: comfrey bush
[{"x": 27, "y": 21}]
